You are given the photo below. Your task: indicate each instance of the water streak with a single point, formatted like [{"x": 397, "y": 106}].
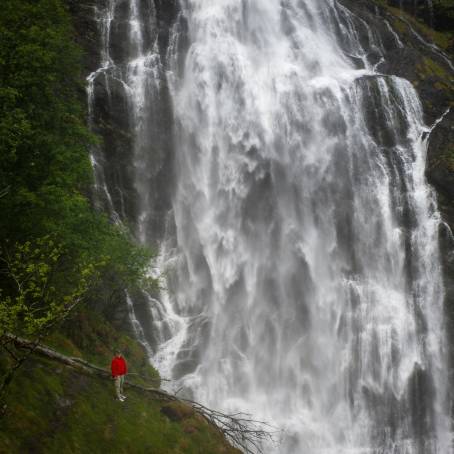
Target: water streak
[
  {"x": 302, "y": 270},
  {"x": 308, "y": 267}
]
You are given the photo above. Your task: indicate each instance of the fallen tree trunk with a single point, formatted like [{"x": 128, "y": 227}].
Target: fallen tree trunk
[
  {"x": 81, "y": 365},
  {"x": 242, "y": 431}
]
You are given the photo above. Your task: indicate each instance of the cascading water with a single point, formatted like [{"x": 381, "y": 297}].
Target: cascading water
[
  {"x": 303, "y": 273},
  {"x": 127, "y": 107}
]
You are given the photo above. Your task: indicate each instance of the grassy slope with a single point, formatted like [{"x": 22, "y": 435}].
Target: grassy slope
[
  {"x": 53, "y": 409},
  {"x": 44, "y": 151},
  {"x": 91, "y": 337}
]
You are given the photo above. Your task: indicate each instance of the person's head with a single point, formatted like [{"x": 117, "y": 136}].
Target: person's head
[{"x": 117, "y": 353}]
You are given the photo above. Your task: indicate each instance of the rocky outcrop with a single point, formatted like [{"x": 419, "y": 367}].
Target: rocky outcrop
[
  {"x": 417, "y": 58},
  {"x": 437, "y": 14},
  {"x": 413, "y": 51},
  {"x": 87, "y": 31},
  {"x": 112, "y": 115},
  {"x": 109, "y": 59}
]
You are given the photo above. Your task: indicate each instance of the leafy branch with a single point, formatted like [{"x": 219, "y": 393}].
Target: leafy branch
[{"x": 42, "y": 288}]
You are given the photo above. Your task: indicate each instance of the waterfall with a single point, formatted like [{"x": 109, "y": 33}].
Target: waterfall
[
  {"x": 300, "y": 254},
  {"x": 128, "y": 108}
]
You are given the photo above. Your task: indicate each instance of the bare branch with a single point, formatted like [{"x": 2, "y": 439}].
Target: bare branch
[
  {"x": 31, "y": 347},
  {"x": 4, "y": 191},
  {"x": 240, "y": 429}
]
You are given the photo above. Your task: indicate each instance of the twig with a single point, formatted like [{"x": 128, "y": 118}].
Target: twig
[{"x": 240, "y": 429}]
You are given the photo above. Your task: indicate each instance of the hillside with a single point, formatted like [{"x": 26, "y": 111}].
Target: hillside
[{"x": 53, "y": 408}]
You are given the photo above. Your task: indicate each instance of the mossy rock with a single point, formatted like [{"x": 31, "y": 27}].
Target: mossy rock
[
  {"x": 52, "y": 409},
  {"x": 177, "y": 411}
]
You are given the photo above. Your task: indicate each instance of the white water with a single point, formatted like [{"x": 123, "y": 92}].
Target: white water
[
  {"x": 304, "y": 282},
  {"x": 307, "y": 234}
]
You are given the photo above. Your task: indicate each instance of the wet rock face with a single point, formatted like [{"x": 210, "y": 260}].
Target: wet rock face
[
  {"x": 419, "y": 8},
  {"x": 440, "y": 173},
  {"x": 112, "y": 110},
  {"x": 428, "y": 68},
  {"x": 112, "y": 123},
  {"x": 408, "y": 54},
  {"x": 166, "y": 14},
  {"x": 120, "y": 47},
  {"x": 440, "y": 169},
  {"x": 87, "y": 31},
  {"x": 114, "y": 120},
  {"x": 416, "y": 59},
  {"x": 439, "y": 15}
]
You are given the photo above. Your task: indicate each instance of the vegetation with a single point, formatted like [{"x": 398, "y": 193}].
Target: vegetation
[
  {"x": 61, "y": 263},
  {"x": 89, "y": 336},
  {"x": 439, "y": 30},
  {"x": 56, "y": 251},
  {"x": 58, "y": 410}
]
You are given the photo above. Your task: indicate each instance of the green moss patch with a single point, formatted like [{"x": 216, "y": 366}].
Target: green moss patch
[
  {"x": 91, "y": 337},
  {"x": 53, "y": 409},
  {"x": 444, "y": 40}
]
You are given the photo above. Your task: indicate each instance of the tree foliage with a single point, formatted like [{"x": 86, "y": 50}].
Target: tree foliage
[
  {"x": 56, "y": 250},
  {"x": 45, "y": 170},
  {"x": 40, "y": 288}
]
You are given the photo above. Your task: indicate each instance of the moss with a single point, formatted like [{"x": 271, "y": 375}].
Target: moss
[
  {"x": 177, "y": 411},
  {"x": 448, "y": 158},
  {"x": 54, "y": 410},
  {"x": 400, "y": 26},
  {"x": 90, "y": 337},
  {"x": 434, "y": 68},
  {"x": 428, "y": 67},
  {"x": 442, "y": 39}
]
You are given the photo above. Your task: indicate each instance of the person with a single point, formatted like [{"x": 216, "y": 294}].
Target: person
[{"x": 119, "y": 370}]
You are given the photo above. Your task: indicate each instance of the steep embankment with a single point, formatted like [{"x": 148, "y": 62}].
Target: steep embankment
[
  {"x": 58, "y": 410},
  {"x": 53, "y": 408}
]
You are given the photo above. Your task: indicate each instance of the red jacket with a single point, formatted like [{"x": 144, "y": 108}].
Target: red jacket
[{"x": 118, "y": 366}]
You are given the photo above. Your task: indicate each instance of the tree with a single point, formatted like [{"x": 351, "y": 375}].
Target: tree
[
  {"x": 42, "y": 287},
  {"x": 240, "y": 429},
  {"x": 57, "y": 251}
]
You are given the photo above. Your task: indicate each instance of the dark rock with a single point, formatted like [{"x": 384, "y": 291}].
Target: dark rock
[
  {"x": 427, "y": 67},
  {"x": 440, "y": 161},
  {"x": 188, "y": 357},
  {"x": 87, "y": 31},
  {"x": 176, "y": 411},
  {"x": 141, "y": 304},
  {"x": 119, "y": 48},
  {"x": 171, "y": 413}
]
